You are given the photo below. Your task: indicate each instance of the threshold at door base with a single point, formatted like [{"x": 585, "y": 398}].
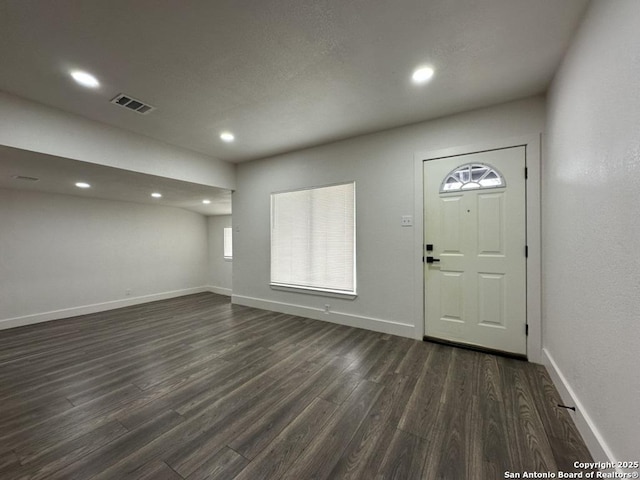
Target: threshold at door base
[{"x": 476, "y": 348}]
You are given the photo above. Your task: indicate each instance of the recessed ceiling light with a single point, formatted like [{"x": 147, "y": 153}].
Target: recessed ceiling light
[
  {"x": 227, "y": 137},
  {"x": 82, "y": 185},
  {"x": 85, "y": 79},
  {"x": 206, "y": 202},
  {"x": 422, "y": 74},
  {"x": 156, "y": 195}
]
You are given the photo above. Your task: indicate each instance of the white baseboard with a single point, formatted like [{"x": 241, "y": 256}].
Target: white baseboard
[
  {"x": 590, "y": 434},
  {"x": 350, "y": 320},
  {"x": 220, "y": 290},
  {"x": 94, "y": 308}
]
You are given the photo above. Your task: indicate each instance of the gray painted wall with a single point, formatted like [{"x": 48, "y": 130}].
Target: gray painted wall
[
  {"x": 62, "y": 252},
  {"x": 591, "y": 212},
  {"x": 383, "y": 167}
]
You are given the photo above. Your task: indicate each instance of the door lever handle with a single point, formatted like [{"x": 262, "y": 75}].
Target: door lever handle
[{"x": 432, "y": 260}]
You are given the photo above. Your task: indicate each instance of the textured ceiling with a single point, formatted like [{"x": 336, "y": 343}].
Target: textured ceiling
[{"x": 280, "y": 74}]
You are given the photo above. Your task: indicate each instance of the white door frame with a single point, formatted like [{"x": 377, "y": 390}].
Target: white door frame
[{"x": 532, "y": 161}]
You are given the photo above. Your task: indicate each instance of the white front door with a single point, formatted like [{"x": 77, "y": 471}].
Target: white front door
[{"x": 475, "y": 238}]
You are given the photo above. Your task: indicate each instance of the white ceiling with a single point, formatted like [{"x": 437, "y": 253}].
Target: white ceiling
[{"x": 280, "y": 74}]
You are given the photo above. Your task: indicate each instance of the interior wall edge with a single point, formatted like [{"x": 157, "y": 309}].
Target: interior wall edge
[
  {"x": 31, "y": 126},
  {"x": 95, "y": 308},
  {"x": 220, "y": 290}
]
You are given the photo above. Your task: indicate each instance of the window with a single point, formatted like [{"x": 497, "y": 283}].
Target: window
[
  {"x": 313, "y": 239},
  {"x": 472, "y": 176},
  {"x": 228, "y": 243}
]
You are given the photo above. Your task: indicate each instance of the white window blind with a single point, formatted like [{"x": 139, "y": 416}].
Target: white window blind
[
  {"x": 228, "y": 243},
  {"x": 313, "y": 239}
]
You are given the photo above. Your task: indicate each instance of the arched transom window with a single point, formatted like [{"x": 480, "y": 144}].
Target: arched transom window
[{"x": 472, "y": 176}]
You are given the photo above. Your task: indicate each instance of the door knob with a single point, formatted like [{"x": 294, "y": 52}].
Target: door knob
[{"x": 432, "y": 260}]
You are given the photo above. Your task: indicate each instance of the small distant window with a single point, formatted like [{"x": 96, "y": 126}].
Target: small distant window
[
  {"x": 472, "y": 176},
  {"x": 228, "y": 243}
]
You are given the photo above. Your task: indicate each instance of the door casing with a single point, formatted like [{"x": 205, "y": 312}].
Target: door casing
[
  {"x": 476, "y": 258},
  {"x": 532, "y": 162}
]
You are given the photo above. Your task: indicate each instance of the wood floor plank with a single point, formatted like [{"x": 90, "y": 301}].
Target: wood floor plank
[
  {"x": 404, "y": 458},
  {"x": 187, "y": 446},
  {"x": 340, "y": 389},
  {"x": 224, "y": 464},
  {"x": 70, "y": 424},
  {"x": 422, "y": 409},
  {"x": 498, "y": 451},
  {"x": 94, "y": 361},
  {"x": 526, "y": 430},
  {"x": 565, "y": 440},
  {"x": 10, "y": 466},
  {"x": 241, "y": 414},
  {"x": 358, "y": 459},
  {"x": 195, "y": 387},
  {"x": 461, "y": 452},
  {"x": 243, "y": 387},
  {"x": 173, "y": 392},
  {"x": 326, "y": 450},
  {"x": 367, "y": 356},
  {"x": 7, "y": 458},
  {"x": 43, "y": 465},
  {"x": 324, "y": 348},
  {"x": 257, "y": 436},
  {"x": 14, "y": 416},
  {"x": 393, "y": 353},
  {"x": 371, "y": 465},
  {"x": 311, "y": 333},
  {"x": 101, "y": 459},
  {"x": 154, "y": 470},
  {"x": 277, "y": 458},
  {"x": 415, "y": 358}
]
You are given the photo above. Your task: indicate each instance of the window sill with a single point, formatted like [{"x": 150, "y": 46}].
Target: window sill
[{"x": 314, "y": 291}]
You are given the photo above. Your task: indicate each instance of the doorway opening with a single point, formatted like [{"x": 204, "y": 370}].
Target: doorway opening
[{"x": 478, "y": 233}]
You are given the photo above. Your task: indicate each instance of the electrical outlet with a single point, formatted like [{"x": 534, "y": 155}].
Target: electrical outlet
[
  {"x": 127, "y": 292},
  {"x": 407, "y": 221},
  {"x": 326, "y": 308}
]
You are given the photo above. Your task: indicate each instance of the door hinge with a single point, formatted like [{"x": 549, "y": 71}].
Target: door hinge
[
  {"x": 526, "y": 329},
  {"x": 526, "y": 251},
  {"x": 526, "y": 173}
]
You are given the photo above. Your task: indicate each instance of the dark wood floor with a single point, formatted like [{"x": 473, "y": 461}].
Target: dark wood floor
[{"x": 196, "y": 388}]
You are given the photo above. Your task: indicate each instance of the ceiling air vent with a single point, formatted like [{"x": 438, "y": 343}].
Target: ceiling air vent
[{"x": 131, "y": 103}]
